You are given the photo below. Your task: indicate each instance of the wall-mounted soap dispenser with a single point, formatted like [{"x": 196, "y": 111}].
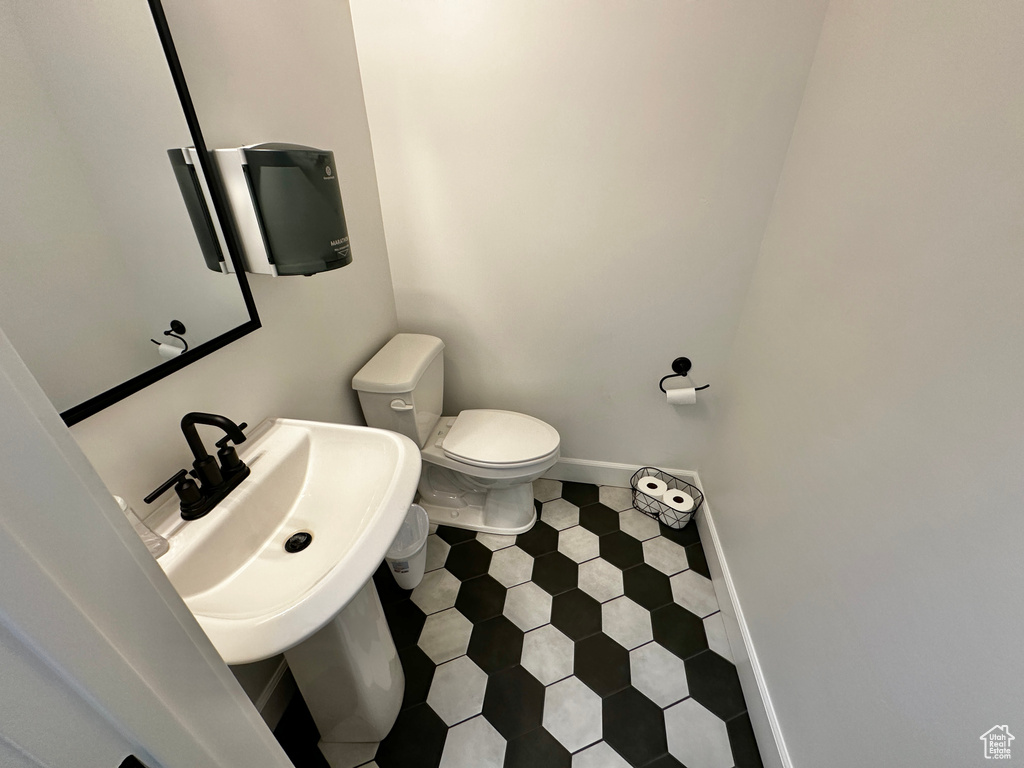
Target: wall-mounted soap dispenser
[{"x": 286, "y": 203}]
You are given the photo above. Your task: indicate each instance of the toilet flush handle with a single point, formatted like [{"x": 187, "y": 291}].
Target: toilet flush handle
[{"x": 398, "y": 404}]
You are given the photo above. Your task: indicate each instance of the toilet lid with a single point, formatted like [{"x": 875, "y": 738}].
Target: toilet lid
[{"x": 499, "y": 438}]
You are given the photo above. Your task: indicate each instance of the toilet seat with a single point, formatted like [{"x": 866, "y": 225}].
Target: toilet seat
[{"x": 499, "y": 439}]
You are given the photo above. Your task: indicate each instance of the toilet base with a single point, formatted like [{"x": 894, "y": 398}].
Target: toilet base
[
  {"x": 451, "y": 498},
  {"x": 473, "y": 519}
]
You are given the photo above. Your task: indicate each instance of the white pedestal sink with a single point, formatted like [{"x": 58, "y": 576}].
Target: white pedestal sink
[{"x": 349, "y": 487}]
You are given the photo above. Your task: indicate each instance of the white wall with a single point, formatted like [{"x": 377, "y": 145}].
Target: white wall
[
  {"x": 267, "y": 73},
  {"x": 866, "y": 473},
  {"x": 574, "y": 195}
]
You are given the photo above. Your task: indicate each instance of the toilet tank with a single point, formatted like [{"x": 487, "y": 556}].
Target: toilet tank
[{"x": 401, "y": 388}]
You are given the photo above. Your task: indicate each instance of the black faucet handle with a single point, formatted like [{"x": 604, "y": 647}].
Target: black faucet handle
[
  {"x": 229, "y": 461},
  {"x": 190, "y": 497},
  {"x": 180, "y": 477},
  {"x": 208, "y": 473},
  {"x": 223, "y": 442}
]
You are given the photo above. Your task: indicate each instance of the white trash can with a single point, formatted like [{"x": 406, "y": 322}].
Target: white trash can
[{"x": 407, "y": 556}]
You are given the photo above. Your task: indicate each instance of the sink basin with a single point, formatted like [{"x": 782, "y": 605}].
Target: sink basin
[{"x": 350, "y": 487}]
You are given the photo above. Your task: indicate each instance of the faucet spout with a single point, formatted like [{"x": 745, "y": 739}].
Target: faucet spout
[{"x": 188, "y": 428}]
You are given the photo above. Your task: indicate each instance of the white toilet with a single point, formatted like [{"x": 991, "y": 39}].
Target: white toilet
[{"x": 479, "y": 466}]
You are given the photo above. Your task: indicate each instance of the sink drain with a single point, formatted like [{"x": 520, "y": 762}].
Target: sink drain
[{"x": 298, "y": 541}]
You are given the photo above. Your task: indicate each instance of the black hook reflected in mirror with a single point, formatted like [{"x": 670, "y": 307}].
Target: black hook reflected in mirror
[
  {"x": 681, "y": 366},
  {"x": 176, "y": 331}
]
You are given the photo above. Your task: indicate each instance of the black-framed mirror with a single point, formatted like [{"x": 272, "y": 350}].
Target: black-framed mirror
[{"x": 100, "y": 251}]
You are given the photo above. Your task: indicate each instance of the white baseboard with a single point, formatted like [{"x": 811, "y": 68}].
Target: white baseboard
[
  {"x": 759, "y": 704},
  {"x": 603, "y": 472}
]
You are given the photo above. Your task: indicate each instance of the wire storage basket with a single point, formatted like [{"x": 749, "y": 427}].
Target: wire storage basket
[{"x": 654, "y": 507}]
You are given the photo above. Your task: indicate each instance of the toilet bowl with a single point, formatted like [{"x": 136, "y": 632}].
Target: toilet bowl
[
  {"x": 481, "y": 477},
  {"x": 478, "y": 466}
]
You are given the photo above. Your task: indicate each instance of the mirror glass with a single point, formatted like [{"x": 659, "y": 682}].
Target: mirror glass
[{"x": 98, "y": 252}]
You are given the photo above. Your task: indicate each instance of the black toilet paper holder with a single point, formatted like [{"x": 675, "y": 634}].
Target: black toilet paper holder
[
  {"x": 176, "y": 330},
  {"x": 681, "y": 366}
]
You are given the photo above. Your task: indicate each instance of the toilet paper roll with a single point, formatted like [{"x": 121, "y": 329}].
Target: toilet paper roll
[
  {"x": 168, "y": 351},
  {"x": 651, "y": 486},
  {"x": 682, "y": 396},
  {"x": 680, "y": 501}
]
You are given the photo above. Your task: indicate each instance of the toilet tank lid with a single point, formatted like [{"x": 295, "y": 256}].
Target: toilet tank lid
[{"x": 399, "y": 364}]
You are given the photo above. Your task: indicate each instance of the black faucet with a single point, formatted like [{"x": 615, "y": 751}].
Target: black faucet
[
  {"x": 216, "y": 482},
  {"x": 205, "y": 466}
]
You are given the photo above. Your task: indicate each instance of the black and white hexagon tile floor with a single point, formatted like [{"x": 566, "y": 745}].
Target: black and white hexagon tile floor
[{"x": 591, "y": 641}]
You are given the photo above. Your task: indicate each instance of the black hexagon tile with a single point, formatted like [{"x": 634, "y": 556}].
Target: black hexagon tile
[
  {"x": 539, "y": 540},
  {"x": 741, "y": 738},
  {"x": 297, "y": 734},
  {"x": 555, "y": 573},
  {"x": 536, "y": 749},
  {"x": 496, "y": 644},
  {"x": 684, "y": 536},
  {"x": 406, "y": 620},
  {"x": 602, "y": 664},
  {"x": 480, "y": 598},
  {"x": 580, "y": 494},
  {"x": 387, "y": 588},
  {"x": 621, "y": 549},
  {"x": 468, "y": 560},
  {"x": 599, "y": 519},
  {"x": 635, "y": 727},
  {"x": 667, "y": 761},
  {"x": 514, "y": 702},
  {"x": 679, "y": 630},
  {"x": 455, "y": 535},
  {"x": 419, "y": 673},
  {"x": 576, "y": 613},
  {"x": 714, "y": 683},
  {"x": 646, "y": 586},
  {"x": 697, "y": 560},
  {"x": 417, "y": 738}
]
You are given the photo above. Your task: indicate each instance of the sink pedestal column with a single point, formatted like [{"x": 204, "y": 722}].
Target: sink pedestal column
[{"x": 351, "y": 679}]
